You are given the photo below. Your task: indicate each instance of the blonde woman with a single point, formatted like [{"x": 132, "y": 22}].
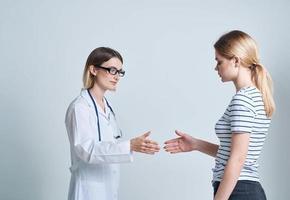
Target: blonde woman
[
  {"x": 96, "y": 149},
  {"x": 243, "y": 127}
]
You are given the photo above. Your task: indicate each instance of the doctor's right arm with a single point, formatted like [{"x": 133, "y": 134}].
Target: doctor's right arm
[{"x": 89, "y": 149}]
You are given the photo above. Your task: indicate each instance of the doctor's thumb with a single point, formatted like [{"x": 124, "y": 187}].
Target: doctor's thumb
[{"x": 146, "y": 134}]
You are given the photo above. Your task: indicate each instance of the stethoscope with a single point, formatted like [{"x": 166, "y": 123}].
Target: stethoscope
[{"x": 98, "y": 120}]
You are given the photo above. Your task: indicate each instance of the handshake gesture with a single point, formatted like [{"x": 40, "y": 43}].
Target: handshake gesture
[{"x": 183, "y": 143}]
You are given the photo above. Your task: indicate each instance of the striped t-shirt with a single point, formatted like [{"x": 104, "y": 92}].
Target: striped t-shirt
[{"x": 245, "y": 114}]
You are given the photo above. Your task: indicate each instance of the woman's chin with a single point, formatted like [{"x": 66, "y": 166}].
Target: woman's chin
[
  {"x": 113, "y": 89},
  {"x": 224, "y": 80}
]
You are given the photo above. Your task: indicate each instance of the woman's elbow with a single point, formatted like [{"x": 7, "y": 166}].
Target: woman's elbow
[{"x": 237, "y": 160}]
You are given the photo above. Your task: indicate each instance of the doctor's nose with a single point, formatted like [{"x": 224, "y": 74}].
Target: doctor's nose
[{"x": 117, "y": 77}]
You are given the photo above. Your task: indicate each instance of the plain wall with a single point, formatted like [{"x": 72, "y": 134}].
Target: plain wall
[{"x": 170, "y": 84}]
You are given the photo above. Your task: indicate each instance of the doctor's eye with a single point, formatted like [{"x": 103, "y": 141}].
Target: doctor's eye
[{"x": 113, "y": 71}]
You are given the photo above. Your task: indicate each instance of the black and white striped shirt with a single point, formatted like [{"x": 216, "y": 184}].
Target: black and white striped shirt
[{"x": 245, "y": 114}]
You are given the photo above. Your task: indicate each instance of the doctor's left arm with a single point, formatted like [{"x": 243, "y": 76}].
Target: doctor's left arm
[{"x": 85, "y": 143}]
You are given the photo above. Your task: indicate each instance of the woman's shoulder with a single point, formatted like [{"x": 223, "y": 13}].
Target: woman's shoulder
[
  {"x": 247, "y": 93},
  {"x": 79, "y": 102},
  {"x": 245, "y": 97}
]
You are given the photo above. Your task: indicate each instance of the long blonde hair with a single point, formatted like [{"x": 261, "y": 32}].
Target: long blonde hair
[{"x": 239, "y": 44}]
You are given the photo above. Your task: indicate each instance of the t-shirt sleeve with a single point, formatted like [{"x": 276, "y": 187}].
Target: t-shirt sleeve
[{"x": 242, "y": 114}]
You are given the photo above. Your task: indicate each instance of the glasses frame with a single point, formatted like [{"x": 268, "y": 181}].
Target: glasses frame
[{"x": 120, "y": 72}]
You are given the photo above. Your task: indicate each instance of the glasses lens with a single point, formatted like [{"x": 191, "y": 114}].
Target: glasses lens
[
  {"x": 122, "y": 73},
  {"x": 113, "y": 71}
]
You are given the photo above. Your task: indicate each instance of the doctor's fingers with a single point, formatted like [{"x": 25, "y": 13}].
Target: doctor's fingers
[
  {"x": 153, "y": 146},
  {"x": 145, "y": 135},
  {"x": 143, "y": 149},
  {"x": 147, "y": 141},
  {"x": 149, "y": 150}
]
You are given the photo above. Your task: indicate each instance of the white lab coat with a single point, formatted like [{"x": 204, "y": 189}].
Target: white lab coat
[{"x": 94, "y": 163}]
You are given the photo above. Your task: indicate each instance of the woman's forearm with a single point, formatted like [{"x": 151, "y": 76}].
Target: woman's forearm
[
  {"x": 230, "y": 178},
  {"x": 207, "y": 147}
]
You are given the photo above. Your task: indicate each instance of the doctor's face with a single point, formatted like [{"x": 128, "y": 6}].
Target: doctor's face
[
  {"x": 108, "y": 74},
  {"x": 226, "y": 68}
]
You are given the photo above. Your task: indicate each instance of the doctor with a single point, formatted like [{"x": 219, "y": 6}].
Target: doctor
[{"x": 96, "y": 150}]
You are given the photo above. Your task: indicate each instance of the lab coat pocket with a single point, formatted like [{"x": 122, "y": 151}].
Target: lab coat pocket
[{"x": 95, "y": 190}]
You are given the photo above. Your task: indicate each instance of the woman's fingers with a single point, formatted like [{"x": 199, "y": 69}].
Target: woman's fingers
[
  {"x": 172, "y": 144},
  {"x": 171, "y": 141},
  {"x": 179, "y": 133},
  {"x": 173, "y": 149},
  {"x": 176, "y": 151}
]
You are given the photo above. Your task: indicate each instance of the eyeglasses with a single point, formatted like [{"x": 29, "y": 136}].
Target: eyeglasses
[{"x": 113, "y": 70}]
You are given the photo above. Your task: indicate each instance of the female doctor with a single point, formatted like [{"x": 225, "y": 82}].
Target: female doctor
[{"x": 94, "y": 134}]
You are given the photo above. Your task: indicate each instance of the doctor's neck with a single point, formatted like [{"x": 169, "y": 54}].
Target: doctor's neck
[{"x": 97, "y": 92}]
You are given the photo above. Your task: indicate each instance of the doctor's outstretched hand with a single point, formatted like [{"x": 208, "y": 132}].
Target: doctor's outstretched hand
[
  {"x": 144, "y": 145},
  {"x": 183, "y": 143}
]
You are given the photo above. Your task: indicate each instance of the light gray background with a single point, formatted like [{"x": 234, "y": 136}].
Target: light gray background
[{"x": 170, "y": 84}]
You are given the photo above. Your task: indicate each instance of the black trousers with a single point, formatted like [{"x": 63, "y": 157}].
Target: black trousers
[{"x": 245, "y": 190}]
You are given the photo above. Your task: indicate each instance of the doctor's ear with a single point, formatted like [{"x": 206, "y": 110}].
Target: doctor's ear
[{"x": 93, "y": 70}]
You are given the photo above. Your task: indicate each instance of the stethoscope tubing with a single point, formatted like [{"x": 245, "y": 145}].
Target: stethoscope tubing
[{"x": 97, "y": 114}]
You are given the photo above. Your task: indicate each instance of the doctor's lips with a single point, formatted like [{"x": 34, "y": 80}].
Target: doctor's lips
[{"x": 115, "y": 83}]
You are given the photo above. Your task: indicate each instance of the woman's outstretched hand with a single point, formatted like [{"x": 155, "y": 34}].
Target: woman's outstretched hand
[
  {"x": 144, "y": 145},
  {"x": 183, "y": 143}
]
